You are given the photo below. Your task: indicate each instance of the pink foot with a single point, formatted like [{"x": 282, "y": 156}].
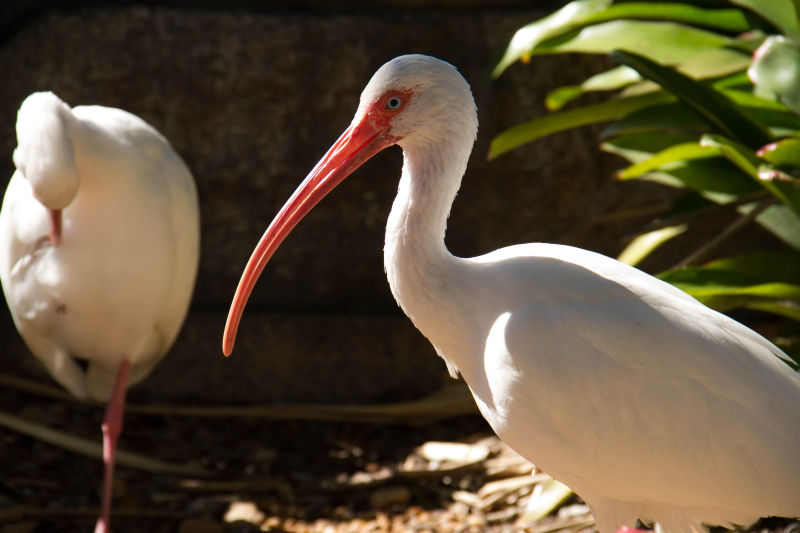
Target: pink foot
[{"x": 112, "y": 427}]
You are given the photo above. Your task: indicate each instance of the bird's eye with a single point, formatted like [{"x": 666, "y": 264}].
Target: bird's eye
[{"x": 393, "y": 103}]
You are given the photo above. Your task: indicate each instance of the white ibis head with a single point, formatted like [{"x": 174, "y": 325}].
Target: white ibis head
[
  {"x": 409, "y": 100},
  {"x": 45, "y": 155}
]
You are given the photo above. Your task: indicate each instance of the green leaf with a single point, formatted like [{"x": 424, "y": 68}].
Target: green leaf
[
  {"x": 714, "y": 63},
  {"x": 715, "y": 178},
  {"x": 776, "y": 68},
  {"x": 753, "y": 101},
  {"x": 640, "y": 146},
  {"x": 781, "y": 120},
  {"x": 711, "y": 177},
  {"x": 763, "y": 266},
  {"x": 545, "y": 125},
  {"x": 785, "y": 152},
  {"x": 646, "y": 243},
  {"x": 665, "y": 42},
  {"x": 673, "y": 116},
  {"x": 739, "y": 155},
  {"x": 785, "y": 189},
  {"x": 730, "y": 20},
  {"x": 605, "y": 81},
  {"x": 720, "y": 113},
  {"x": 580, "y": 13},
  {"x": 566, "y": 18},
  {"x": 706, "y": 281},
  {"x": 781, "y": 221},
  {"x": 789, "y": 309},
  {"x": 783, "y": 14},
  {"x": 676, "y": 116},
  {"x": 677, "y": 153}
]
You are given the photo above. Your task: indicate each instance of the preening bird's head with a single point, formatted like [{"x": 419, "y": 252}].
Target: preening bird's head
[{"x": 45, "y": 153}]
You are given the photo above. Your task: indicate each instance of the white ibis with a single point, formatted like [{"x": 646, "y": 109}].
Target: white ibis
[
  {"x": 99, "y": 247},
  {"x": 645, "y": 402}
]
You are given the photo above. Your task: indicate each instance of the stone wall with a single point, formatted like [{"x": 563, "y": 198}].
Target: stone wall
[{"x": 251, "y": 99}]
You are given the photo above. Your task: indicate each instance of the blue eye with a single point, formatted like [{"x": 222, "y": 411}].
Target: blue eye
[{"x": 395, "y": 102}]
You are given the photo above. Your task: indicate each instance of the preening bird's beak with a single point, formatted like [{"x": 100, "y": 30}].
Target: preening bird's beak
[
  {"x": 358, "y": 143},
  {"x": 55, "y": 226}
]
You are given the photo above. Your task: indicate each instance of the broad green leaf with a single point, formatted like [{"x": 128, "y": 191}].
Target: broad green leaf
[
  {"x": 605, "y": 81},
  {"x": 744, "y": 158},
  {"x": 707, "y": 281},
  {"x": 730, "y": 20},
  {"x": 646, "y": 243},
  {"x": 763, "y": 266},
  {"x": 785, "y": 152},
  {"x": 558, "y": 98},
  {"x": 551, "y": 123},
  {"x": 726, "y": 302},
  {"x": 566, "y": 18},
  {"x": 715, "y": 178},
  {"x": 789, "y": 309},
  {"x": 712, "y": 177},
  {"x": 665, "y": 42},
  {"x": 723, "y": 67},
  {"x": 753, "y": 101},
  {"x": 766, "y": 290},
  {"x": 714, "y": 63},
  {"x": 782, "y": 14},
  {"x": 694, "y": 277},
  {"x": 580, "y": 13},
  {"x": 673, "y": 116},
  {"x": 776, "y": 68},
  {"x": 721, "y": 114},
  {"x": 676, "y": 116},
  {"x": 640, "y": 146},
  {"x": 737, "y": 80},
  {"x": 781, "y": 221},
  {"x": 673, "y": 154},
  {"x": 546, "y": 496},
  {"x": 787, "y": 185},
  {"x": 739, "y": 155},
  {"x": 781, "y": 120}
]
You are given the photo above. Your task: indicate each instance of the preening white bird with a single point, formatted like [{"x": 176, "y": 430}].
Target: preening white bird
[
  {"x": 648, "y": 404},
  {"x": 99, "y": 248}
]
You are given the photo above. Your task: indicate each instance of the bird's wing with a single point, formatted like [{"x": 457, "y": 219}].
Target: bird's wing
[
  {"x": 647, "y": 390},
  {"x": 31, "y": 299}
]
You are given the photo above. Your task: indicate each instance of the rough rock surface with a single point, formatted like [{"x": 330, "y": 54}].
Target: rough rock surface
[{"x": 251, "y": 101}]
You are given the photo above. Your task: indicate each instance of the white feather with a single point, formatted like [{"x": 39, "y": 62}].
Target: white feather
[
  {"x": 644, "y": 401},
  {"x": 119, "y": 283}
]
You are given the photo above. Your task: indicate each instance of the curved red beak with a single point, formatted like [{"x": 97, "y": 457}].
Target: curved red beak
[{"x": 357, "y": 144}]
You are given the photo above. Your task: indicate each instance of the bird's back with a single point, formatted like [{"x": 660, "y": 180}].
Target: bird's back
[
  {"x": 647, "y": 403},
  {"x": 119, "y": 283}
]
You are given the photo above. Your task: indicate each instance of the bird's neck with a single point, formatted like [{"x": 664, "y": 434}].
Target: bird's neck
[{"x": 424, "y": 277}]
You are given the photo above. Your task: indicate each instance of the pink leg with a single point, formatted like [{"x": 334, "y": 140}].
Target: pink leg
[{"x": 112, "y": 427}]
